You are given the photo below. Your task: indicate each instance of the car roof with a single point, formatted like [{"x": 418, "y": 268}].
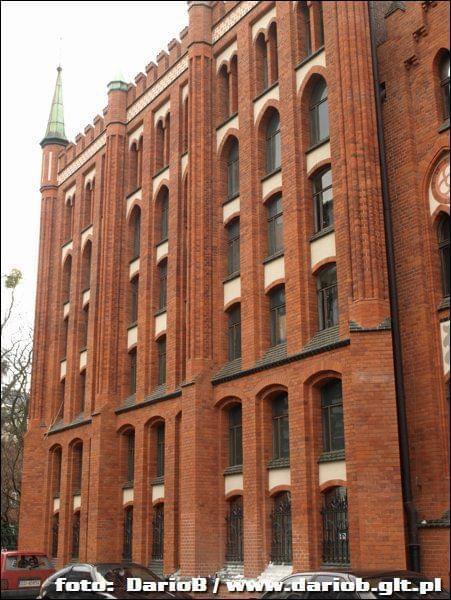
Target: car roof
[
  {"x": 359, "y": 573},
  {"x": 16, "y": 552}
]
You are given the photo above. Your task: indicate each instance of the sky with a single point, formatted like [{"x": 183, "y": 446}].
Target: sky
[{"x": 94, "y": 41}]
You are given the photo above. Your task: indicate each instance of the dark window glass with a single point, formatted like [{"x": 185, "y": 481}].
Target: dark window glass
[
  {"x": 130, "y": 456},
  {"x": 277, "y": 313},
  {"x": 163, "y": 275},
  {"x": 234, "y": 520},
  {"x": 281, "y": 438},
  {"x": 320, "y": 24},
  {"x": 75, "y": 534},
  {"x": 164, "y": 218},
  {"x": 136, "y": 234},
  {"x": 86, "y": 270},
  {"x": 262, "y": 61},
  {"x": 161, "y": 361},
  {"x": 281, "y": 542},
  {"x": 323, "y": 200},
  {"x": 275, "y": 226},
  {"x": 445, "y": 83},
  {"x": 273, "y": 155},
  {"x": 233, "y": 171},
  {"x": 160, "y": 450},
  {"x": 133, "y": 369},
  {"x": 128, "y": 533},
  {"x": 234, "y": 332},
  {"x": 327, "y": 297},
  {"x": 319, "y": 114},
  {"x": 55, "y": 531},
  {"x": 78, "y": 465},
  {"x": 332, "y": 416},
  {"x": 304, "y": 33},
  {"x": 233, "y": 251},
  {"x": 335, "y": 527},
  {"x": 158, "y": 532},
  {"x": 57, "y": 472},
  {"x": 134, "y": 294},
  {"x": 443, "y": 246},
  {"x": 235, "y": 436}
]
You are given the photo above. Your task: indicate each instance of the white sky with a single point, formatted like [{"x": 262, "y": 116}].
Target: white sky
[{"x": 98, "y": 40}]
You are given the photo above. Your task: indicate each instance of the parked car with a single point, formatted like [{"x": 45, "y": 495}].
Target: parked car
[
  {"x": 373, "y": 577},
  {"x": 23, "y": 572},
  {"x": 116, "y": 573}
]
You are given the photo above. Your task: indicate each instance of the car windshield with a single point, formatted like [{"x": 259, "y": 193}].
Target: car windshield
[
  {"x": 118, "y": 574},
  {"x": 387, "y": 583},
  {"x": 27, "y": 561}
]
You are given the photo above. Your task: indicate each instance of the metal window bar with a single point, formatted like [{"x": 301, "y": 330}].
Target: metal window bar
[
  {"x": 158, "y": 532},
  {"x": 234, "y": 520},
  {"x": 335, "y": 530},
  {"x": 281, "y": 542}
]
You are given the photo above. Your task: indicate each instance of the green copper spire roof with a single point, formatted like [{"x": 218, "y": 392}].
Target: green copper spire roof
[
  {"x": 118, "y": 83},
  {"x": 55, "y": 129}
]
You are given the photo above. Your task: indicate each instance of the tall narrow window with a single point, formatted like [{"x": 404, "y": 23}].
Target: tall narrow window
[
  {"x": 167, "y": 139},
  {"x": 234, "y": 548},
  {"x": 275, "y": 226},
  {"x": 223, "y": 94},
  {"x": 57, "y": 460},
  {"x": 443, "y": 247},
  {"x": 136, "y": 232},
  {"x": 128, "y": 533},
  {"x": 234, "y": 332},
  {"x": 235, "y": 436},
  {"x": 332, "y": 416},
  {"x": 82, "y": 392},
  {"x": 335, "y": 527},
  {"x": 185, "y": 125},
  {"x": 140, "y": 162},
  {"x": 161, "y": 344},
  {"x": 130, "y": 456},
  {"x": 68, "y": 209},
  {"x": 84, "y": 328},
  {"x": 233, "y": 170},
  {"x": 281, "y": 542},
  {"x": 163, "y": 277},
  {"x": 320, "y": 25},
  {"x": 323, "y": 199},
  {"x": 233, "y": 252},
  {"x": 277, "y": 312},
  {"x": 159, "y": 146},
  {"x": 60, "y": 405},
  {"x": 445, "y": 84},
  {"x": 327, "y": 297},
  {"x": 281, "y": 436},
  {"x": 305, "y": 41},
  {"x": 319, "y": 113},
  {"x": 133, "y": 369},
  {"x": 261, "y": 52},
  {"x": 273, "y": 156},
  {"x": 75, "y": 534},
  {"x": 134, "y": 294},
  {"x": 87, "y": 208},
  {"x": 164, "y": 214},
  {"x": 233, "y": 85},
  {"x": 55, "y": 533},
  {"x": 158, "y": 532},
  {"x": 67, "y": 271},
  {"x": 86, "y": 266},
  {"x": 273, "y": 54},
  {"x": 133, "y": 167},
  {"x": 160, "y": 450}
]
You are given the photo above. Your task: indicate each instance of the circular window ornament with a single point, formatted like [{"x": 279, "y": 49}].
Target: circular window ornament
[{"x": 440, "y": 181}]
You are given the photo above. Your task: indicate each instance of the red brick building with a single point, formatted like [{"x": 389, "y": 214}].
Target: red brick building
[{"x": 242, "y": 313}]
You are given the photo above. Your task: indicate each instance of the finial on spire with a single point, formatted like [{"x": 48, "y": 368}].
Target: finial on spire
[{"x": 55, "y": 133}]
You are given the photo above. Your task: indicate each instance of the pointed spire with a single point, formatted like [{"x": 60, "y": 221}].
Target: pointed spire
[
  {"x": 55, "y": 133},
  {"x": 118, "y": 82}
]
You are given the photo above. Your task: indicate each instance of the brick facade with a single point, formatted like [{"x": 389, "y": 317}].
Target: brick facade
[{"x": 161, "y": 147}]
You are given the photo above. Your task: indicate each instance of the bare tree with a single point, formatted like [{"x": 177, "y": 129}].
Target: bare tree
[{"x": 15, "y": 376}]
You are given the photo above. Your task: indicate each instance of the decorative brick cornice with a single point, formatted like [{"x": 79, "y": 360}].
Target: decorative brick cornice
[
  {"x": 232, "y": 19},
  {"x": 82, "y": 159}
]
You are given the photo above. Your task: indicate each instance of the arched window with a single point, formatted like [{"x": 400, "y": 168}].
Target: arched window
[
  {"x": 128, "y": 533},
  {"x": 235, "y": 436},
  {"x": 281, "y": 542},
  {"x": 129, "y": 455},
  {"x": 60, "y": 401},
  {"x": 67, "y": 271},
  {"x": 323, "y": 199},
  {"x": 167, "y": 139},
  {"x": 234, "y": 316},
  {"x": 445, "y": 83},
  {"x": 327, "y": 297},
  {"x": 233, "y": 85},
  {"x": 82, "y": 392},
  {"x": 233, "y": 247},
  {"x": 233, "y": 170},
  {"x": 273, "y": 54},
  {"x": 87, "y": 208},
  {"x": 320, "y": 24},
  {"x": 319, "y": 113},
  {"x": 281, "y": 436},
  {"x": 133, "y": 361},
  {"x": 443, "y": 248},
  {"x": 277, "y": 316},
  {"x": 67, "y": 225},
  {"x": 335, "y": 527},
  {"x": 163, "y": 284},
  {"x": 159, "y": 146},
  {"x": 55, "y": 532},
  {"x": 86, "y": 267},
  {"x": 56, "y": 471},
  {"x": 261, "y": 55},
  {"x": 75, "y": 547},
  {"x": 223, "y": 94},
  {"x": 164, "y": 214},
  {"x": 134, "y": 296},
  {"x": 140, "y": 162},
  {"x": 304, "y": 36},
  {"x": 158, "y": 532},
  {"x": 275, "y": 225},
  {"x": 273, "y": 155},
  {"x": 160, "y": 449},
  {"x": 161, "y": 346},
  {"x": 185, "y": 125},
  {"x": 234, "y": 548},
  {"x": 135, "y": 224},
  {"x": 332, "y": 416},
  {"x": 133, "y": 167}
]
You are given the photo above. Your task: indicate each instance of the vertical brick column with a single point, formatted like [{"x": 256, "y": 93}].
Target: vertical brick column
[{"x": 360, "y": 237}]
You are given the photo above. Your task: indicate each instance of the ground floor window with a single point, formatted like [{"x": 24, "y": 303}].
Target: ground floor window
[
  {"x": 158, "y": 532},
  {"x": 55, "y": 531},
  {"x": 128, "y": 533},
  {"x": 75, "y": 534},
  {"x": 234, "y": 519},
  {"x": 281, "y": 547},
  {"x": 335, "y": 527}
]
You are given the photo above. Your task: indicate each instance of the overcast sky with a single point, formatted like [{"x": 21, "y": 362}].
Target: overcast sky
[{"x": 98, "y": 40}]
